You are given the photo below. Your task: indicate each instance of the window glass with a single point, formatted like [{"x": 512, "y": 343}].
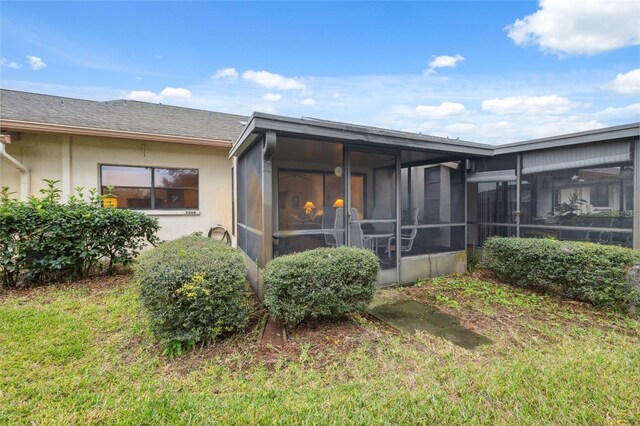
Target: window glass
[
  {"x": 301, "y": 200},
  {"x": 175, "y": 178},
  {"x": 131, "y": 198},
  {"x": 586, "y": 198},
  {"x": 176, "y": 198},
  {"x": 126, "y": 176},
  {"x": 151, "y": 188}
]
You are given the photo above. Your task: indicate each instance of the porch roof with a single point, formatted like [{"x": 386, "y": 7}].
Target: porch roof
[{"x": 308, "y": 128}]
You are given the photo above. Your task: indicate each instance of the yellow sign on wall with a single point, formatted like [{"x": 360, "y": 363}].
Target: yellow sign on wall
[{"x": 110, "y": 202}]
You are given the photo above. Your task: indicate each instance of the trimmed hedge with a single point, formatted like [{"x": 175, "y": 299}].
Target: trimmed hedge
[
  {"x": 194, "y": 290},
  {"x": 320, "y": 283},
  {"x": 588, "y": 272}
]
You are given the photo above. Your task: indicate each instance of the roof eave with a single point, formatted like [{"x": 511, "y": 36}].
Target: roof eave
[
  {"x": 598, "y": 135},
  {"x": 29, "y": 126}
]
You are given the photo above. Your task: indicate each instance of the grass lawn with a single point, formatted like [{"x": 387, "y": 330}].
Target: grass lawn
[{"x": 81, "y": 353}]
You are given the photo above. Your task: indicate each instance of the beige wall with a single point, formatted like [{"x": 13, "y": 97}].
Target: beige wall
[{"x": 46, "y": 156}]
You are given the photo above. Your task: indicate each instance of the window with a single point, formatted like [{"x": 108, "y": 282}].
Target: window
[
  {"x": 555, "y": 201},
  {"x": 304, "y": 197},
  {"x": 147, "y": 188}
]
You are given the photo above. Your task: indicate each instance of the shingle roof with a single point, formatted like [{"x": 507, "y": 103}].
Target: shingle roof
[{"x": 121, "y": 115}]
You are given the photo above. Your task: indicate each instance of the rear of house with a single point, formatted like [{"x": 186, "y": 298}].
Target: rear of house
[{"x": 282, "y": 185}]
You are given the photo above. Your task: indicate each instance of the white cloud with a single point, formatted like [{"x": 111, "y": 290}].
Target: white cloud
[
  {"x": 626, "y": 84},
  {"x": 551, "y": 104},
  {"x": 443, "y": 61},
  {"x": 175, "y": 92},
  {"x": 369, "y": 100},
  {"x": 144, "y": 96},
  {"x": 626, "y": 113},
  {"x": 138, "y": 78},
  {"x": 445, "y": 109},
  {"x": 308, "y": 101},
  {"x": 36, "y": 63},
  {"x": 272, "y": 81},
  {"x": 153, "y": 97},
  {"x": 272, "y": 97},
  {"x": 579, "y": 27},
  {"x": 225, "y": 73},
  {"x": 268, "y": 108},
  {"x": 9, "y": 64}
]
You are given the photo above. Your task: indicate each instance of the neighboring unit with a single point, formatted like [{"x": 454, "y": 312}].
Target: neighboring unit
[{"x": 168, "y": 161}]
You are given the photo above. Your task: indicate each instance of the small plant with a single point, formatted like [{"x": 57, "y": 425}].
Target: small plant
[
  {"x": 487, "y": 292},
  {"x": 194, "y": 290},
  {"x": 473, "y": 260},
  {"x": 569, "y": 208},
  {"x": 320, "y": 283},
  {"x": 445, "y": 300}
]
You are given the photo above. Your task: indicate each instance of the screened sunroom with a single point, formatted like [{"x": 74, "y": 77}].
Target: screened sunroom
[
  {"x": 578, "y": 187},
  {"x": 306, "y": 183}
]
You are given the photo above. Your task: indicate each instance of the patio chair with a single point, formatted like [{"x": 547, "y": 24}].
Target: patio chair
[
  {"x": 328, "y": 222},
  {"x": 382, "y": 213},
  {"x": 339, "y": 224},
  {"x": 358, "y": 239},
  {"x": 406, "y": 239}
]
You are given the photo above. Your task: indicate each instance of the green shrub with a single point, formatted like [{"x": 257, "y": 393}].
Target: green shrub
[
  {"x": 193, "y": 289},
  {"x": 43, "y": 239},
  {"x": 588, "y": 272},
  {"x": 325, "y": 282}
]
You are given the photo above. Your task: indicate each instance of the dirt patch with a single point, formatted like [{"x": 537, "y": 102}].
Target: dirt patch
[
  {"x": 98, "y": 283},
  {"x": 324, "y": 342}
]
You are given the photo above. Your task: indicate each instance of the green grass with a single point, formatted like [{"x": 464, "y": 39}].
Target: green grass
[{"x": 82, "y": 354}]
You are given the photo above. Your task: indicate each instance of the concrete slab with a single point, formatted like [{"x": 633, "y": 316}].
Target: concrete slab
[
  {"x": 273, "y": 332},
  {"x": 398, "y": 311}
]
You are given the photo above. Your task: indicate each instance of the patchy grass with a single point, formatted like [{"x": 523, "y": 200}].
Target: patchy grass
[{"x": 81, "y": 353}]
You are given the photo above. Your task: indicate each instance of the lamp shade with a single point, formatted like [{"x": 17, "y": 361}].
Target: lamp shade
[
  {"x": 309, "y": 205},
  {"x": 338, "y": 203}
]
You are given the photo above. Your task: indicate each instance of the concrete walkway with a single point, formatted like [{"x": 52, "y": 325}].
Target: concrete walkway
[{"x": 395, "y": 309}]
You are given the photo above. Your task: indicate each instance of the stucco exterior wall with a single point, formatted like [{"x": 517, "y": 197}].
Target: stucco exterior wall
[{"x": 75, "y": 161}]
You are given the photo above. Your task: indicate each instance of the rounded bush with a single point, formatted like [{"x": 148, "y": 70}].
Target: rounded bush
[
  {"x": 193, "y": 289},
  {"x": 325, "y": 282}
]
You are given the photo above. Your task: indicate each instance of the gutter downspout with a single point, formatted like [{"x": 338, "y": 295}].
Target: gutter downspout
[{"x": 25, "y": 174}]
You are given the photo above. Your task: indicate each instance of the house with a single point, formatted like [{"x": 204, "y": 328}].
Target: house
[
  {"x": 283, "y": 184},
  {"x": 168, "y": 161}
]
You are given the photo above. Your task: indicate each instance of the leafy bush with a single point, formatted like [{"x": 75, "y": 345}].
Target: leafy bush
[
  {"x": 325, "y": 282},
  {"x": 582, "y": 271},
  {"x": 193, "y": 289},
  {"x": 43, "y": 239}
]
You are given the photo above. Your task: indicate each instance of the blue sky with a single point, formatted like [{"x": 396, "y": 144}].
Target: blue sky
[{"x": 493, "y": 72}]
